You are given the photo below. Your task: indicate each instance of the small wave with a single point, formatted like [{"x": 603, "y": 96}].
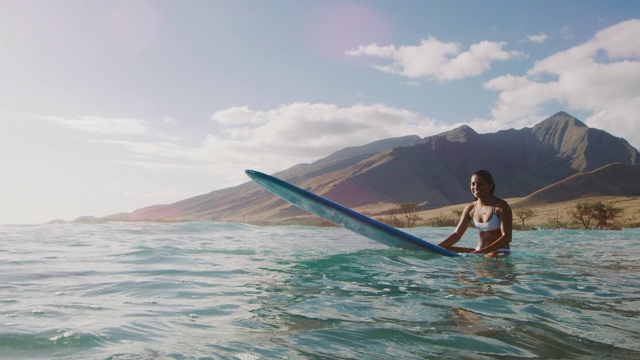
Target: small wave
[{"x": 197, "y": 290}]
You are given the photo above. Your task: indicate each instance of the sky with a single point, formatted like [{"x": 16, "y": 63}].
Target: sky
[{"x": 107, "y": 106}]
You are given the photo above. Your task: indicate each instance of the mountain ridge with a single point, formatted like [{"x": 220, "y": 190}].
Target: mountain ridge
[
  {"x": 610, "y": 180},
  {"x": 432, "y": 171}
]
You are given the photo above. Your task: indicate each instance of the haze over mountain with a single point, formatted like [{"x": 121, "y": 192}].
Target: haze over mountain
[{"x": 433, "y": 172}]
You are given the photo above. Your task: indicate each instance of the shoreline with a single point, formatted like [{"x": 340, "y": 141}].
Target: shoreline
[{"x": 551, "y": 215}]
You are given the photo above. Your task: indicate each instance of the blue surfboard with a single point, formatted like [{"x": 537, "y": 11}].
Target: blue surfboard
[{"x": 343, "y": 216}]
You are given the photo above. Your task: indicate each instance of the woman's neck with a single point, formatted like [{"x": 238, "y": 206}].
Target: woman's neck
[{"x": 485, "y": 200}]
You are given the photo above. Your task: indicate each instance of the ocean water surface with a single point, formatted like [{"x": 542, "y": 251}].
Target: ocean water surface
[{"x": 209, "y": 290}]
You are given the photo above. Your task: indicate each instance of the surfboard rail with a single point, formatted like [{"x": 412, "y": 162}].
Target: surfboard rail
[{"x": 343, "y": 216}]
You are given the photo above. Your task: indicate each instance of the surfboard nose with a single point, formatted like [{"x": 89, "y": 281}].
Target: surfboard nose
[{"x": 251, "y": 173}]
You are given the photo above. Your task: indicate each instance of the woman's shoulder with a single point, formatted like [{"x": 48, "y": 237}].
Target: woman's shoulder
[
  {"x": 469, "y": 208},
  {"x": 502, "y": 204}
]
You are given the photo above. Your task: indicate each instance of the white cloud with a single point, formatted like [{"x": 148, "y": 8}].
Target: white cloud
[
  {"x": 169, "y": 120},
  {"x": 566, "y": 33},
  {"x": 166, "y": 193},
  {"x": 433, "y": 59},
  {"x": 538, "y": 39},
  {"x": 236, "y": 115},
  {"x": 411, "y": 83},
  {"x": 307, "y": 130},
  {"x": 146, "y": 149},
  {"x": 599, "y": 77},
  {"x": 102, "y": 125},
  {"x": 275, "y": 139}
]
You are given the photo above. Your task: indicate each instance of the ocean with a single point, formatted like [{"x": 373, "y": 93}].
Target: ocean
[{"x": 206, "y": 290}]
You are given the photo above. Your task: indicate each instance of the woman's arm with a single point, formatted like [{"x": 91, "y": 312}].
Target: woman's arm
[{"x": 463, "y": 224}]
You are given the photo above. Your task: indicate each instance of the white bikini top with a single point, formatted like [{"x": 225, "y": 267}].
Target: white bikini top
[{"x": 492, "y": 224}]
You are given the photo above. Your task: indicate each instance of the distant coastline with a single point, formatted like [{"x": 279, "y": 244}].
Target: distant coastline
[{"x": 547, "y": 216}]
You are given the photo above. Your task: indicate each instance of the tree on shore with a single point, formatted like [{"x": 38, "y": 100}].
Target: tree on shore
[
  {"x": 393, "y": 220},
  {"x": 582, "y": 214},
  {"x": 404, "y": 215},
  {"x": 603, "y": 215},
  {"x": 524, "y": 214},
  {"x": 410, "y": 212},
  {"x": 444, "y": 220},
  {"x": 554, "y": 221}
]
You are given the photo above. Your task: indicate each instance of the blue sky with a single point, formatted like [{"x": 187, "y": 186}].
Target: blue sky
[{"x": 109, "y": 106}]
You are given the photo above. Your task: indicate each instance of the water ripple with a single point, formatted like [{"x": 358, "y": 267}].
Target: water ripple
[{"x": 234, "y": 291}]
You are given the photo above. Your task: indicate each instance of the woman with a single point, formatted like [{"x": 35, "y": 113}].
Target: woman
[{"x": 490, "y": 215}]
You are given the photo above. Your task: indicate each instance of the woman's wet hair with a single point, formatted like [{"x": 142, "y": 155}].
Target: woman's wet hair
[{"x": 487, "y": 177}]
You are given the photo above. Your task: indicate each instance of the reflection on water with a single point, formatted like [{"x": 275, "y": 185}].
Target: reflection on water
[
  {"x": 480, "y": 276},
  {"x": 488, "y": 273}
]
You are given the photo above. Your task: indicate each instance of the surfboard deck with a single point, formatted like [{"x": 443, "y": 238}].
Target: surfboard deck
[{"x": 343, "y": 216}]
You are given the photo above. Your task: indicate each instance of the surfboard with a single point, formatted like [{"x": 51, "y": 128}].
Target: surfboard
[{"x": 343, "y": 216}]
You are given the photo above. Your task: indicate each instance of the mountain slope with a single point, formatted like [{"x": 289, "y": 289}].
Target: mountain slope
[
  {"x": 609, "y": 180},
  {"x": 432, "y": 172},
  {"x": 241, "y": 202}
]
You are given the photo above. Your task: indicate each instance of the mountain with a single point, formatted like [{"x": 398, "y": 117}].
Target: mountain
[
  {"x": 609, "y": 180},
  {"x": 246, "y": 201},
  {"x": 432, "y": 172}
]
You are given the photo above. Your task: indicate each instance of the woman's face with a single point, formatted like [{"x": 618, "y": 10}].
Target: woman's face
[{"x": 480, "y": 188}]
